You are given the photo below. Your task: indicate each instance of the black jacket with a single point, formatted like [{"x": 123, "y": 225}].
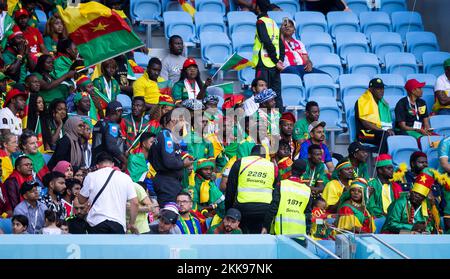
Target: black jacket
[{"x": 165, "y": 155}]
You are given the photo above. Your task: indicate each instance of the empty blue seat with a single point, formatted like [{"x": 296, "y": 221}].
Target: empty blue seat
[
  {"x": 425, "y": 143},
  {"x": 404, "y": 22},
  {"x": 210, "y": 6},
  {"x": 349, "y": 102},
  {"x": 242, "y": 41},
  {"x": 401, "y": 63},
  {"x": 319, "y": 85},
  {"x": 433, "y": 62},
  {"x": 292, "y": 90},
  {"x": 385, "y": 42},
  {"x": 317, "y": 42},
  {"x": 440, "y": 123},
  {"x": 327, "y": 62},
  {"x": 363, "y": 63},
  {"x": 215, "y": 47},
  {"x": 329, "y": 112},
  {"x": 145, "y": 10},
  {"x": 290, "y": 6},
  {"x": 209, "y": 21},
  {"x": 246, "y": 75},
  {"x": 401, "y": 148},
  {"x": 351, "y": 124},
  {"x": 342, "y": 22},
  {"x": 171, "y": 5},
  {"x": 428, "y": 90},
  {"x": 390, "y": 6},
  {"x": 310, "y": 22},
  {"x": 179, "y": 23},
  {"x": 353, "y": 85},
  {"x": 42, "y": 18},
  {"x": 374, "y": 22},
  {"x": 394, "y": 88},
  {"x": 419, "y": 42},
  {"x": 350, "y": 42},
  {"x": 278, "y": 16},
  {"x": 141, "y": 59},
  {"x": 241, "y": 21},
  {"x": 358, "y": 6}
]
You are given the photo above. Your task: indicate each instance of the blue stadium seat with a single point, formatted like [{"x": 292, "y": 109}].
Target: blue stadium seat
[
  {"x": 352, "y": 85},
  {"x": 145, "y": 10},
  {"x": 419, "y": 42},
  {"x": 42, "y": 17},
  {"x": 215, "y": 47},
  {"x": 179, "y": 23},
  {"x": 216, "y": 6},
  {"x": 433, "y": 158},
  {"x": 141, "y": 59},
  {"x": 385, "y": 42},
  {"x": 374, "y": 22},
  {"x": 241, "y": 22},
  {"x": 292, "y": 90},
  {"x": 329, "y": 112},
  {"x": 278, "y": 16},
  {"x": 358, "y": 6},
  {"x": 351, "y": 124},
  {"x": 404, "y": 22},
  {"x": 379, "y": 222},
  {"x": 171, "y": 5},
  {"x": 319, "y": 85},
  {"x": 243, "y": 41},
  {"x": 317, "y": 42},
  {"x": 350, "y": 42},
  {"x": 401, "y": 148},
  {"x": 342, "y": 22},
  {"x": 428, "y": 90},
  {"x": 310, "y": 22},
  {"x": 209, "y": 21},
  {"x": 394, "y": 88},
  {"x": 327, "y": 62},
  {"x": 425, "y": 143},
  {"x": 246, "y": 75},
  {"x": 441, "y": 124},
  {"x": 126, "y": 103},
  {"x": 290, "y": 6},
  {"x": 363, "y": 63},
  {"x": 390, "y": 6},
  {"x": 433, "y": 62},
  {"x": 401, "y": 63}
]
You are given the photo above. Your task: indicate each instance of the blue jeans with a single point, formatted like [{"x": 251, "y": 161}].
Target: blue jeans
[{"x": 300, "y": 71}]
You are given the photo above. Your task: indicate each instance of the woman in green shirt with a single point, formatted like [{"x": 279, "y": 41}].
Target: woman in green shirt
[
  {"x": 54, "y": 31},
  {"x": 190, "y": 85}
]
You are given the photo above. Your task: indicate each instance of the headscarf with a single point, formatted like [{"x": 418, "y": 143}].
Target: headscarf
[
  {"x": 193, "y": 104},
  {"x": 62, "y": 167},
  {"x": 339, "y": 167},
  {"x": 265, "y": 95},
  {"x": 360, "y": 183},
  {"x": 70, "y": 129}
]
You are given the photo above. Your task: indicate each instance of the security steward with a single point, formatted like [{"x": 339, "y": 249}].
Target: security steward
[
  {"x": 290, "y": 218},
  {"x": 168, "y": 160},
  {"x": 106, "y": 136},
  {"x": 253, "y": 188},
  {"x": 268, "y": 51}
]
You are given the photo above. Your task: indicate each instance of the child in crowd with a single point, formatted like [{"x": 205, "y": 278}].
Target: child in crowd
[
  {"x": 320, "y": 228},
  {"x": 50, "y": 223},
  {"x": 19, "y": 224}
]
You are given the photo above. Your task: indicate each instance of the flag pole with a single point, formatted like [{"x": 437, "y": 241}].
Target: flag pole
[
  {"x": 223, "y": 64},
  {"x": 138, "y": 137}
]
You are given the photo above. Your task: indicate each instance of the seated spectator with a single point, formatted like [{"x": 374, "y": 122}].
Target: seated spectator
[
  {"x": 31, "y": 207},
  {"x": 23, "y": 170},
  {"x": 107, "y": 85},
  {"x": 283, "y": 160},
  {"x": 147, "y": 85},
  {"x": 67, "y": 55},
  {"x": 250, "y": 106},
  {"x": 373, "y": 116},
  {"x": 73, "y": 187},
  {"x": 229, "y": 224},
  {"x": 9, "y": 145},
  {"x": 36, "y": 111},
  {"x": 53, "y": 129},
  {"x": 77, "y": 221},
  {"x": 296, "y": 59},
  {"x": 28, "y": 143},
  {"x": 267, "y": 114},
  {"x": 190, "y": 85},
  {"x": 287, "y": 123},
  {"x": 54, "y": 31},
  {"x": 19, "y": 224},
  {"x": 326, "y": 6},
  {"x": 15, "y": 103},
  {"x": 441, "y": 91},
  {"x": 50, "y": 223},
  {"x": 168, "y": 217},
  {"x": 188, "y": 223},
  {"x": 65, "y": 168},
  {"x": 165, "y": 104},
  {"x": 341, "y": 178},
  {"x": 85, "y": 109},
  {"x": 358, "y": 155},
  {"x": 312, "y": 113},
  {"x": 320, "y": 228},
  {"x": 316, "y": 132},
  {"x": 411, "y": 114},
  {"x": 17, "y": 57},
  {"x": 56, "y": 185},
  {"x": 173, "y": 62},
  {"x": 315, "y": 175},
  {"x": 3, "y": 86}
]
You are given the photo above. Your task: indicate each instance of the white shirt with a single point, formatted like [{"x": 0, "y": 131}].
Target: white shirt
[
  {"x": 111, "y": 204},
  {"x": 11, "y": 122},
  {"x": 250, "y": 106},
  {"x": 442, "y": 84}
]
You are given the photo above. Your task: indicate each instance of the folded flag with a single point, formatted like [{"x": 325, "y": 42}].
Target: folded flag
[{"x": 165, "y": 87}]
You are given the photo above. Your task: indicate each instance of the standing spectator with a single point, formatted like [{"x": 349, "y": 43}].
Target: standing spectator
[
  {"x": 9, "y": 146},
  {"x": 28, "y": 142},
  {"x": 108, "y": 191},
  {"x": 358, "y": 155},
  {"x": 19, "y": 224},
  {"x": 190, "y": 85},
  {"x": 147, "y": 85},
  {"x": 267, "y": 113},
  {"x": 50, "y": 223},
  {"x": 341, "y": 178},
  {"x": 31, "y": 207},
  {"x": 17, "y": 57},
  {"x": 134, "y": 124},
  {"x": 106, "y": 84},
  {"x": 187, "y": 222},
  {"x": 173, "y": 62},
  {"x": 54, "y": 123},
  {"x": 54, "y": 31},
  {"x": 31, "y": 34},
  {"x": 315, "y": 176},
  {"x": 317, "y": 136},
  {"x": 411, "y": 114},
  {"x": 56, "y": 184},
  {"x": 145, "y": 207},
  {"x": 312, "y": 113},
  {"x": 23, "y": 170},
  {"x": 441, "y": 91},
  {"x": 326, "y": 6},
  {"x": 166, "y": 224},
  {"x": 15, "y": 103},
  {"x": 229, "y": 224},
  {"x": 77, "y": 221},
  {"x": 257, "y": 86}
]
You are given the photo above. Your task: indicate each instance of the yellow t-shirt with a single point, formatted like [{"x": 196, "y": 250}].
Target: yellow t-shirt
[
  {"x": 332, "y": 192},
  {"x": 7, "y": 167},
  {"x": 147, "y": 88}
]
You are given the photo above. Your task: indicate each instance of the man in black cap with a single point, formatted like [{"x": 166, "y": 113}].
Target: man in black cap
[
  {"x": 166, "y": 224},
  {"x": 358, "y": 154},
  {"x": 373, "y": 116},
  {"x": 31, "y": 207},
  {"x": 106, "y": 135},
  {"x": 229, "y": 224}
]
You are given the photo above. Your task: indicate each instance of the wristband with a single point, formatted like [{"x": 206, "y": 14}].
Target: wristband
[{"x": 18, "y": 56}]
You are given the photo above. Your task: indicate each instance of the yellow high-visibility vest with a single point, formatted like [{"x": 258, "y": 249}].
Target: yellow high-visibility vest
[
  {"x": 255, "y": 182},
  {"x": 258, "y": 48}
]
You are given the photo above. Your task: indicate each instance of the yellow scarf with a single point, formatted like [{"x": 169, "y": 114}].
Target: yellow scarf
[
  {"x": 372, "y": 112},
  {"x": 204, "y": 191},
  {"x": 386, "y": 196}
]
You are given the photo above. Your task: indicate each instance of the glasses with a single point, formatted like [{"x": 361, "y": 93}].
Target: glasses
[{"x": 183, "y": 202}]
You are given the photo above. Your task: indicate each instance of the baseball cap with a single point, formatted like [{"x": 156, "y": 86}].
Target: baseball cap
[
  {"x": 233, "y": 213},
  {"x": 355, "y": 147},
  {"x": 376, "y": 83},
  {"x": 169, "y": 213},
  {"x": 20, "y": 13},
  {"x": 315, "y": 124},
  {"x": 189, "y": 62},
  {"x": 28, "y": 186},
  {"x": 114, "y": 106},
  {"x": 12, "y": 94},
  {"x": 413, "y": 84}
]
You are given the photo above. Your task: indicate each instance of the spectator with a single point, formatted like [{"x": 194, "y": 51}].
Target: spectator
[
  {"x": 173, "y": 62},
  {"x": 77, "y": 221},
  {"x": 134, "y": 124},
  {"x": 283, "y": 159},
  {"x": 165, "y": 104},
  {"x": 287, "y": 123},
  {"x": 85, "y": 108},
  {"x": 107, "y": 85},
  {"x": 62, "y": 224},
  {"x": 36, "y": 110},
  {"x": 411, "y": 114},
  {"x": 296, "y": 59},
  {"x": 107, "y": 214},
  {"x": 441, "y": 90},
  {"x": 229, "y": 224},
  {"x": 54, "y": 31},
  {"x": 124, "y": 75},
  {"x": 56, "y": 184},
  {"x": 187, "y": 222},
  {"x": 23, "y": 170},
  {"x": 19, "y": 224},
  {"x": 17, "y": 57},
  {"x": 65, "y": 168},
  {"x": 15, "y": 103},
  {"x": 341, "y": 178},
  {"x": 144, "y": 208},
  {"x": 28, "y": 142},
  {"x": 79, "y": 173},
  {"x": 166, "y": 224},
  {"x": 190, "y": 85},
  {"x": 68, "y": 148},
  {"x": 267, "y": 112},
  {"x": 147, "y": 85},
  {"x": 268, "y": 50},
  {"x": 9, "y": 146},
  {"x": 317, "y": 136},
  {"x": 315, "y": 176},
  {"x": 54, "y": 122},
  {"x": 250, "y": 106},
  {"x": 358, "y": 155},
  {"x": 312, "y": 113},
  {"x": 3, "y": 85},
  {"x": 5, "y": 206},
  {"x": 50, "y": 223},
  {"x": 31, "y": 207},
  {"x": 67, "y": 54},
  {"x": 326, "y": 6},
  {"x": 373, "y": 116},
  {"x": 73, "y": 187}
]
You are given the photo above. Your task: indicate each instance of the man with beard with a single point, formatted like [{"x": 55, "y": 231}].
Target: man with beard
[
  {"x": 173, "y": 62},
  {"x": 77, "y": 221},
  {"x": 15, "y": 103},
  {"x": 317, "y": 136},
  {"x": 187, "y": 223},
  {"x": 134, "y": 124},
  {"x": 341, "y": 176},
  {"x": 287, "y": 122},
  {"x": 312, "y": 113},
  {"x": 229, "y": 224},
  {"x": 357, "y": 154},
  {"x": 315, "y": 176}
]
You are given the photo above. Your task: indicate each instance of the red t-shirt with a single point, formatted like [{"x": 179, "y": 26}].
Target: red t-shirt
[{"x": 33, "y": 37}]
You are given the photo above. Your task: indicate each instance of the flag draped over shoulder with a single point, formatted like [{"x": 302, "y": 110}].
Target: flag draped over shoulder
[
  {"x": 187, "y": 7},
  {"x": 236, "y": 62},
  {"x": 98, "y": 32}
]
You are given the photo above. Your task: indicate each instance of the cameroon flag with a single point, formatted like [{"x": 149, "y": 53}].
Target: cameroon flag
[
  {"x": 99, "y": 32},
  {"x": 187, "y": 7},
  {"x": 236, "y": 62}
]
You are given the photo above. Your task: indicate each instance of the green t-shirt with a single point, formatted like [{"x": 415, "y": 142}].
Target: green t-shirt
[
  {"x": 213, "y": 230},
  {"x": 50, "y": 44},
  {"x": 179, "y": 92},
  {"x": 59, "y": 92},
  {"x": 62, "y": 66},
  {"x": 9, "y": 58},
  {"x": 301, "y": 130}
]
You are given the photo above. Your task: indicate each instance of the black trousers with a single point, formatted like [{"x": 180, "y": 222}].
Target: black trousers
[
  {"x": 252, "y": 222},
  {"x": 166, "y": 188},
  {"x": 106, "y": 227},
  {"x": 378, "y": 140},
  {"x": 272, "y": 76}
]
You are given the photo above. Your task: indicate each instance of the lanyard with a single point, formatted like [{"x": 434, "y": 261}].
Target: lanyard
[
  {"x": 185, "y": 226},
  {"x": 134, "y": 125},
  {"x": 416, "y": 112},
  {"x": 108, "y": 87},
  {"x": 416, "y": 211},
  {"x": 33, "y": 224},
  {"x": 312, "y": 177}
]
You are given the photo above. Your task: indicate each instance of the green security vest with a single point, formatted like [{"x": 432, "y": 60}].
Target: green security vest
[
  {"x": 290, "y": 218},
  {"x": 255, "y": 182},
  {"x": 258, "y": 48}
]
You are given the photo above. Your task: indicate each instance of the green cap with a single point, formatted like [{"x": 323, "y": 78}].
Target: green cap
[{"x": 447, "y": 63}]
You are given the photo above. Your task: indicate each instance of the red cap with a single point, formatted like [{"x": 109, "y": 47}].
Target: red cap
[
  {"x": 12, "y": 94},
  {"x": 189, "y": 62},
  {"x": 413, "y": 84},
  {"x": 288, "y": 116},
  {"x": 20, "y": 13}
]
